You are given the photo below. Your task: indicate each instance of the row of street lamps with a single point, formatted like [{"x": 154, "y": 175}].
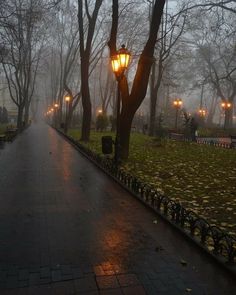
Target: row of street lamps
[
  {"x": 120, "y": 62},
  {"x": 177, "y": 103},
  {"x": 54, "y": 109}
]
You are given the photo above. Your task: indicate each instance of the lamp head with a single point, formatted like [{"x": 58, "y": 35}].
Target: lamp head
[
  {"x": 123, "y": 57},
  {"x": 115, "y": 64},
  {"x": 67, "y": 98}
]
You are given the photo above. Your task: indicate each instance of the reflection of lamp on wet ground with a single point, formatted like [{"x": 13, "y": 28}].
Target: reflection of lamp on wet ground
[{"x": 120, "y": 62}]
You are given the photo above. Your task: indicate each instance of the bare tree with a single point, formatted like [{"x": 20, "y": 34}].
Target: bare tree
[
  {"x": 215, "y": 46},
  {"x": 132, "y": 100},
  {"x": 170, "y": 32},
  {"x": 206, "y": 5},
  {"x": 85, "y": 56},
  {"x": 20, "y": 51}
]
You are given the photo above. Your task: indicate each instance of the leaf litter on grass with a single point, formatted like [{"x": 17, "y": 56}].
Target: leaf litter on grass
[{"x": 198, "y": 176}]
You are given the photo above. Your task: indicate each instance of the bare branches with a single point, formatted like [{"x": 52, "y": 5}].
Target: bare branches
[
  {"x": 209, "y": 6},
  {"x": 87, "y": 10},
  {"x": 114, "y": 28}
]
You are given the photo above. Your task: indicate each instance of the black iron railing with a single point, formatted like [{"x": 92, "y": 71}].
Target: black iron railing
[{"x": 214, "y": 240}]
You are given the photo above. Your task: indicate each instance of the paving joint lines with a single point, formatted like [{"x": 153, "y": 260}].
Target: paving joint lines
[{"x": 99, "y": 278}]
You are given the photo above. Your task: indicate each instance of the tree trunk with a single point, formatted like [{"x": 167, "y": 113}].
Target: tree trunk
[
  {"x": 125, "y": 130},
  {"x": 68, "y": 118},
  {"x": 152, "y": 119},
  {"x": 86, "y": 101},
  {"x": 132, "y": 101},
  {"x": 26, "y": 115},
  {"x": 228, "y": 118},
  {"x": 212, "y": 110},
  {"x": 20, "y": 117}
]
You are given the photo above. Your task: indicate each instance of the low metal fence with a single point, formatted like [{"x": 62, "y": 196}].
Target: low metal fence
[
  {"x": 211, "y": 238},
  {"x": 227, "y": 143}
]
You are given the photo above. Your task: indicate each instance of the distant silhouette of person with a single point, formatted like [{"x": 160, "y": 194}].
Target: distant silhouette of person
[
  {"x": 145, "y": 128},
  {"x": 193, "y": 129}
]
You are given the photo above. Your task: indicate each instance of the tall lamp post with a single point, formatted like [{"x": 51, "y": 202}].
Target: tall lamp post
[
  {"x": 226, "y": 106},
  {"x": 67, "y": 100},
  {"x": 120, "y": 62},
  {"x": 177, "y": 104},
  {"x": 56, "y": 106}
]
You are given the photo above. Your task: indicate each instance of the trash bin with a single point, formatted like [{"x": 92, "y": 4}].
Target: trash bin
[
  {"x": 107, "y": 145},
  {"x": 62, "y": 125}
]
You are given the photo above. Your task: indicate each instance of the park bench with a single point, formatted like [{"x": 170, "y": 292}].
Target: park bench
[
  {"x": 10, "y": 134},
  {"x": 177, "y": 136},
  {"x": 233, "y": 141},
  {"x": 2, "y": 137}
]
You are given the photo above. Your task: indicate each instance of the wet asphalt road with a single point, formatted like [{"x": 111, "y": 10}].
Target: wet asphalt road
[{"x": 67, "y": 228}]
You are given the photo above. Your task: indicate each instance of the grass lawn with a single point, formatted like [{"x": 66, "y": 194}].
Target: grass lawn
[
  {"x": 3, "y": 128},
  {"x": 202, "y": 178}
]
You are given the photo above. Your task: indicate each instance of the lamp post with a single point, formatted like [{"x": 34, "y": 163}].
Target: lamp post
[
  {"x": 226, "y": 106},
  {"x": 67, "y": 100},
  {"x": 56, "y": 106},
  {"x": 177, "y": 104},
  {"x": 120, "y": 62}
]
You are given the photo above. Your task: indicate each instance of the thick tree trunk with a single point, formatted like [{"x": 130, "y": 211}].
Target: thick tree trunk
[
  {"x": 125, "y": 130},
  {"x": 86, "y": 102},
  {"x": 155, "y": 85},
  {"x": 132, "y": 101},
  {"x": 68, "y": 119}
]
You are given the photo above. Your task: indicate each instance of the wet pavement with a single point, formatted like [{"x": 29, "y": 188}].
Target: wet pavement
[{"x": 67, "y": 228}]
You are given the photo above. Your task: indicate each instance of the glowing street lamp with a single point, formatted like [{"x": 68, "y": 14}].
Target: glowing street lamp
[
  {"x": 202, "y": 112},
  {"x": 177, "y": 105},
  {"x": 123, "y": 58},
  {"x": 119, "y": 62},
  {"x": 56, "y": 107},
  {"x": 67, "y": 100},
  {"x": 226, "y": 106},
  {"x": 115, "y": 64}
]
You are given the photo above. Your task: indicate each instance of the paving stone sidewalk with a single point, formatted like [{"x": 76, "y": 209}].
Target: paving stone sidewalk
[{"x": 67, "y": 228}]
